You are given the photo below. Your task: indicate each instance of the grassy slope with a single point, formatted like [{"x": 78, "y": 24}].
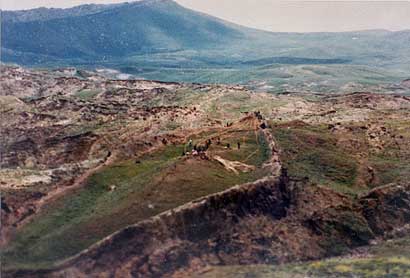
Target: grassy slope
[
  {"x": 393, "y": 163},
  {"x": 314, "y": 152},
  {"x": 162, "y": 181},
  {"x": 310, "y": 151},
  {"x": 388, "y": 260},
  {"x": 279, "y": 77}
]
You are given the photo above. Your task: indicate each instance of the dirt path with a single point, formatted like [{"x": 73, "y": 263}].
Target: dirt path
[{"x": 234, "y": 166}]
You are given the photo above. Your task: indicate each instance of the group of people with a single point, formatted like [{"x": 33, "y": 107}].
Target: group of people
[
  {"x": 258, "y": 115},
  {"x": 201, "y": 149}
]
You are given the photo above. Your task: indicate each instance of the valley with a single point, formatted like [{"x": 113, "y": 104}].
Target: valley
[
  {"x": 147, "y": 139},
  {"x": 104, "y": 177},
  {"x": 162, "y": 40}
]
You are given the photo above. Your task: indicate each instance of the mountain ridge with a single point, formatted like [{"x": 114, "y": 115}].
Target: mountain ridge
[
  {"x": 85, "y": 9},
  {"x": 54, "y": 32},
  {"x": 99, "y": 35},
  {"x": 160, "y": 39},
  {"x": 10, "y": 15}
]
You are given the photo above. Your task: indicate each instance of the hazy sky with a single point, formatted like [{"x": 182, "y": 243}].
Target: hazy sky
[{"x": 274, "y": 15}]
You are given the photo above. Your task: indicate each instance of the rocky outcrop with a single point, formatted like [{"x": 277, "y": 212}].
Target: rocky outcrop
[
  {"x": 173, "y": 239},
  {"x": 275, "y": 220},
  {"x": 387, "y": 207},
  {"x": 61, "y": 128},
  {"x": 46, "y": 147}
]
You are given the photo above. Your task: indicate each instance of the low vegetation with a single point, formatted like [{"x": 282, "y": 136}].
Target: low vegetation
[
  {"x": 129, "y": 191},
  {"x": 311, "y": 151},
  {"x": 350, "y": 161},
  {"x": 387, "y": 260}
]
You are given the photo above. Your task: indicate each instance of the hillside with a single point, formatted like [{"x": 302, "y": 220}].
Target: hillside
[
  {"x": 113, "y": 31},
  {"x": 145, "y": 139},
  {"x": 160, "y": 39},
  {"x": 140, "y": 178},
  {"x": 120, "y": 31}
]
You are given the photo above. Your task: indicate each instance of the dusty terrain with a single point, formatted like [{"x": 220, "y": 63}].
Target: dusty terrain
[{"x": 99, "y": 178}]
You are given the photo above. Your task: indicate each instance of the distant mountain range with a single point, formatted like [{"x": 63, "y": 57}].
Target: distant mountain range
[
  {"x": 151, "y": 37},
  {"x": 100, "y": 32}
]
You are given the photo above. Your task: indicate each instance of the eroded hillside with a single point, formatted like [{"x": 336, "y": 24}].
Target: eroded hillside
[{"x": 135, "y": 178}]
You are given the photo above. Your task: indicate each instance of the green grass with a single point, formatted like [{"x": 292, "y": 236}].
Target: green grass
[
  {"x": 392, "y": 163},
  {"x": 311, "y": 151},
  {"x": 390, "y": 169},
  {"x": 161, "y": 181},
  {"x": 87, "y": 94},
  {"x": 387, "y": 260},
  {"x": 254, "y": 148},
  {"x": 71, "y": 223},
  {"x": 386, "y": 267}
]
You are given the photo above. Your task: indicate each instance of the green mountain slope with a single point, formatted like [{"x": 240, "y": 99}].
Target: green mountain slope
[
  {"x": 160, "y": 39},
  {"x": 118, "y": 31}
]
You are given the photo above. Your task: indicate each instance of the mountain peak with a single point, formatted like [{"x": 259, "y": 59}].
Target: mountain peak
[
  {"x": 117, "y": 30},
  {"x": 43, "y": 13}
]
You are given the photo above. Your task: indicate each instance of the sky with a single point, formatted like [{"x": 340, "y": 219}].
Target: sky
[{"x": 279, "y": 16}]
